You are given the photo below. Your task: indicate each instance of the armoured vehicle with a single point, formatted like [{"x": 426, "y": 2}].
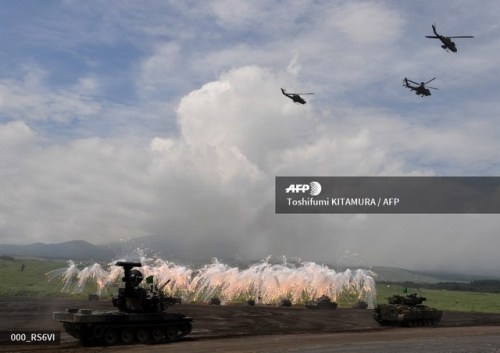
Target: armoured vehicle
[
  {"x": 214, "y": 301},
  {"x": 251, "y": 302},
  {"x": 285, "y": 302},
  {"x": 323, "y": 302},
  {"x": 406, "y": 311},
  {"x": 140, "y": 318},
  {"x": 360, "y": 305}
]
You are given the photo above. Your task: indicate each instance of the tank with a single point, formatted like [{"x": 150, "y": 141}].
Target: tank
[
  {"x": 140, "y": 318},
  {"x": 250, "y": 302},
  {"x": 323, "y": 302},
  {"x": 214, "y": 301},
  {"x": 406, "y": 311},
  {"x": 285, "y": 302},
  {"x": 360, "y": 305}
]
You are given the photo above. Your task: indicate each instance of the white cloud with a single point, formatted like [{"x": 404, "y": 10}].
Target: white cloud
[
  {"x": 294, "y": 67},
  {"x": 246, "y": 109},
  {"x": 235, "y": 13},
  {"x": 367, "y": 22},
  {"x": 15, "y": 134},
  {"x": 30, "y": 98},
  {"x": 156, "y": 71}
]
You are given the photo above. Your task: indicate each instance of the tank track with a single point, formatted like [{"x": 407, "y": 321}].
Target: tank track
[{"x": 108, "y": 329}]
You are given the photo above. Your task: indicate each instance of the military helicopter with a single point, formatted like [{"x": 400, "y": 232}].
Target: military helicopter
[
  {"x": 296, "y": 97},
  {"x": 448, "y": 44},
  {"x": 420, "y": 89}
]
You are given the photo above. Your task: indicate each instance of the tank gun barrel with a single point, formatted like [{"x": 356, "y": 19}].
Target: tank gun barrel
[{"x": 164, "y": 285}]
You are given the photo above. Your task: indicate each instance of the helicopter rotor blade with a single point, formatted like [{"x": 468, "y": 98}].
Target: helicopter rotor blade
[
  {"x": 412, "y": 81},
  {"x": 462, "y": 37},
  {"x": 432, "y": 88},
  {"x": 434, "y": 30},
  {"x": 300, "y": 94},
  {"x": 432, "y": 37},
  {"x": 430, "y": 81}
]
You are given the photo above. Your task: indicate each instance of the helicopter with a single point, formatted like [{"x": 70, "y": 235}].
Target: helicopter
[
  {"x": 296, "y": 97},
  {"x": 448, "y": 44},
  {"x": 420, "y": 89}
]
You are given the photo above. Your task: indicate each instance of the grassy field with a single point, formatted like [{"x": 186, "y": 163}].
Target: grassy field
[
  {"x": 32, "y": 281},
  {"x": 447, "y": 300}
]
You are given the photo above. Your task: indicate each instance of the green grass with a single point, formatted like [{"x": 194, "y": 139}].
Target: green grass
[
  {"x": 447, "y": 300},
  {"x": 32, "y": 281}
]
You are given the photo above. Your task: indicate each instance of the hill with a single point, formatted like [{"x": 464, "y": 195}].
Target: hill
[{"x": 75, "y": 250}]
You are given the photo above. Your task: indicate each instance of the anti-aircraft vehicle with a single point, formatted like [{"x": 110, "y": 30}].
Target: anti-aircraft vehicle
[
  {"x": 448, "y": 44},
  {"x": 140, "y": 317}
]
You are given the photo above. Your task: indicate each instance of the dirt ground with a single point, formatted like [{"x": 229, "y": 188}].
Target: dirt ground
[{"x": 241, "y": 328}]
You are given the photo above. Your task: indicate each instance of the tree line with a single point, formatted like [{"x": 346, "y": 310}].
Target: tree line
[{"x": 485, "y": 286}]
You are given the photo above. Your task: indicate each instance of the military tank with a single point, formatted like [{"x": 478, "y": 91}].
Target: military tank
[
  {"x": 285, "y": 302},
  {"x": 406, "y": 311},
  {"x": 324, "y": 302},
  {"x": 140, "y": 318}
]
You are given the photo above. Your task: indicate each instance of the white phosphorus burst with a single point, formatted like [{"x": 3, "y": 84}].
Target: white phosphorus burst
[{"x": 263, "y": 282}]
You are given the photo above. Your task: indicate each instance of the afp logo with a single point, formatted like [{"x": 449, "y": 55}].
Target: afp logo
[{"x": 313, "y": 187}]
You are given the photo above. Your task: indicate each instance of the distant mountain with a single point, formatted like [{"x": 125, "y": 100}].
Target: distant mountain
[
  {"x": 393, "y": 274},
  {"x": 158, "y": 246},
  {"x": 74, "y": 250}
]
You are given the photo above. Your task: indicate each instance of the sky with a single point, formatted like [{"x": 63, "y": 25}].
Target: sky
[{"x": 126, "y": 119}]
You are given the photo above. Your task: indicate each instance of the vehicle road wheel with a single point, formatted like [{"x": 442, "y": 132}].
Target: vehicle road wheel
[
  {"x": 171, "y": 333},
  {"x": 127, "y": 336},
  {"x": 142, "y": 335},
  {"x": 98, "y": 332},
  {"x": 156, "y": 334},
  {"x": 110, "y": 337}
]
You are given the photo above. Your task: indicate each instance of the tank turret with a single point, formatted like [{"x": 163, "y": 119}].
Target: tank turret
[
  {"x": 141, "y": 316},
  {"x": 132, "y": 298},
  {"x": 410, "y": 300}
]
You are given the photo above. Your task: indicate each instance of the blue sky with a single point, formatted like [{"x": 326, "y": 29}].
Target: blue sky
[{"x": 121, "y": 119}]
